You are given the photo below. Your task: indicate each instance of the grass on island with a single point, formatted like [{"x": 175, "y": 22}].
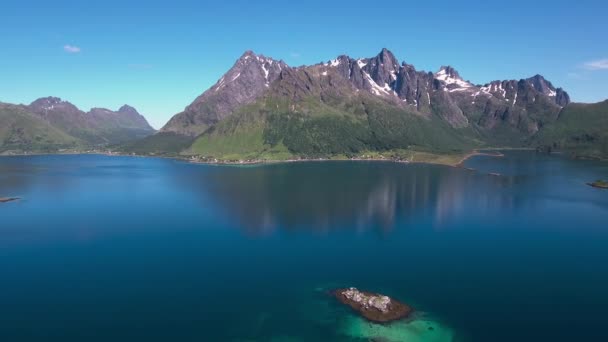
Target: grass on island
[{"x": 600, "y": 184}]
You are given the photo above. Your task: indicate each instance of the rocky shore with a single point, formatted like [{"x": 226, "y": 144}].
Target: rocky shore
[{"x": 373, "y": 306}]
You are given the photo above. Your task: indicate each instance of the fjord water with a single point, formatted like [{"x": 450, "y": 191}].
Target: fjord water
[{"x": 117, "y": 248}]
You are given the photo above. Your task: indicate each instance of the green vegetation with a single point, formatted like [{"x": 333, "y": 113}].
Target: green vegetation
[
  {"x": 600, "y": 184},
  {"x": 360, "y": 127},
  {"x": 316, "y": 136},
  {"x": 581, "y": 129},
  {"x": 21, "y": 132},
  {"x": 166, "y": 144}
]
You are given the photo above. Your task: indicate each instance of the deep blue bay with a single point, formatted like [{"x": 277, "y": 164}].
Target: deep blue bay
[{"x": 106, "y": 248}]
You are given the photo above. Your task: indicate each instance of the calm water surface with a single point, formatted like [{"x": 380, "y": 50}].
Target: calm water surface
[{"x": 118, "y": 248}]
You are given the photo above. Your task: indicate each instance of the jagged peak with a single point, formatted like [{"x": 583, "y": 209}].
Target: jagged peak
[
  {"x": 540, "y": 80},
  {"x": 51, "y": 103},
  {"x": 338, "y": 61},
  {"x": 249, "y": 53},
  {"x": 127, "y": 109},
  {"x": 406, "y": 65},
  {"x": 386, "y": 56},
  {"x": 451, "y": 77},
  {"x": 48, "y": 100},
  {"x": 538, "y": 77},
  {"x": 249, "y": 56},
  {"x": 449, "y": 71},
  {"x": 267, "y": 67},
  {"x": 540, "y": 84}
]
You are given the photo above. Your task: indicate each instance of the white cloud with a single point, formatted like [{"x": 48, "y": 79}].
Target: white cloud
[
  {"x": 600, "y": 64},
  {"x": 71, "y": 48},
  {"x": 295, "y": 55}
]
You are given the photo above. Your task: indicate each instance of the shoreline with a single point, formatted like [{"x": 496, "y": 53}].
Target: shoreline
[
  {"x": 253, "y": 162},
  {"x": 477, "y": 153}
]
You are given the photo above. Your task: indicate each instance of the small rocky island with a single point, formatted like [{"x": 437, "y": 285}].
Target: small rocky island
[
  {"x": 374, "y": 307},
  {"x": 602, "y": 184},
  {"x": 8, "y": 199}
]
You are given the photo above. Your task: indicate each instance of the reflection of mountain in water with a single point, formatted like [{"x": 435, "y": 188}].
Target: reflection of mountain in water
[{"x": 334, "y": 195}]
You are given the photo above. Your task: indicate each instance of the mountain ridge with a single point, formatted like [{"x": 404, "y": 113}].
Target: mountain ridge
[
  {"x": 62, "y": 125},
  {"x": 382, "y": 76},
  {"x": 263, "y": 108}
]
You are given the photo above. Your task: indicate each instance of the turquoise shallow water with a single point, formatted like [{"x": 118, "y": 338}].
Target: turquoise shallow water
[{"x": 118, "y": 248}]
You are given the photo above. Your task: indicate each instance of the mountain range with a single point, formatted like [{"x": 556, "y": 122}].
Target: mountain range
[
  {"x": 50, "y": 124},
  {"x": 264, "y": 109}
]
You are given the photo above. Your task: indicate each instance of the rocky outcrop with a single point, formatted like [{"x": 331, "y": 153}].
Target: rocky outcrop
[{"x": 372, "y": 306}]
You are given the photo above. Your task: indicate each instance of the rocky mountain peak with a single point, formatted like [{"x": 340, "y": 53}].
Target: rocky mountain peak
[
  {"x": 248, "y": 53},
  {"x": 51, "y": 103},
  {"x": 128, "y": 110},
  {"x": 449, "y": 71},
  {"x": 252, "y": 69},
  {"x": 46, "y": 101},
  {"x": 540, "y": 84},
  {"x": 562, "y": 98},
  {"x": 383, "y": 68},
  {"x": 452, "y": 79},
  {"x": 444, "y": 93},
  {"x": 249, "y": 78},
  {"x": 388, "y": 58}
]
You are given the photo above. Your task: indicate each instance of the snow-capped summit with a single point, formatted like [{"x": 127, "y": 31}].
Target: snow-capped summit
[{"x": 452, "y": 79}]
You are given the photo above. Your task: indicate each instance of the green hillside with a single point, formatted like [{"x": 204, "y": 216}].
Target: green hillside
[
  {"x": 21, "y": 131},
  {"x": 163, "y": 143},
  {"x": 309, "y": 128},
  {"x": 581, "y": 129}
]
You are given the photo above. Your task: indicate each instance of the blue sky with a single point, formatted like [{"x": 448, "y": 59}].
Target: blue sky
[{"x": 159, "y": 57}]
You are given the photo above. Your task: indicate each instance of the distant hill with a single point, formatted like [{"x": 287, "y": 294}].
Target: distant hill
[
  {"x": 20, "y": 130},
  {"x": 50, "y": 124}
]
